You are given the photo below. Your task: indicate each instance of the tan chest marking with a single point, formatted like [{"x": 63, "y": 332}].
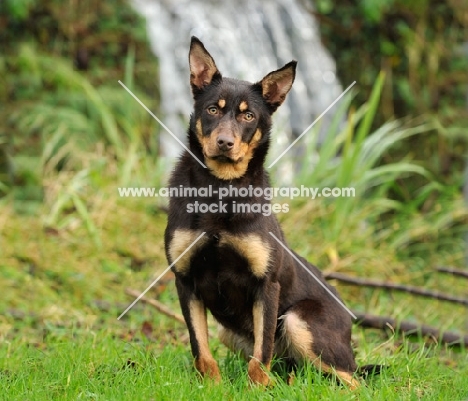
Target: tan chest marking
[
  {"x": 251, "y": 247},
  {"x": 181, "y": 240}
]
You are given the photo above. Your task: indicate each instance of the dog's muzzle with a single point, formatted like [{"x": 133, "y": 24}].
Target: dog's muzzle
[{"x": 225, "y": 142}]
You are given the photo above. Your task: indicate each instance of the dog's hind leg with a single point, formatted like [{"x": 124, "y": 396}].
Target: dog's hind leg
[{"x": 296, "y": 341}]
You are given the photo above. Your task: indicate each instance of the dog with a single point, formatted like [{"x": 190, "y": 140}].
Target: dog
[{"x": 229, "y": 263}]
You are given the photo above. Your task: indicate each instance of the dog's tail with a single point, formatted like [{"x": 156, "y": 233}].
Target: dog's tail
[{"x": 370, "y": 370}]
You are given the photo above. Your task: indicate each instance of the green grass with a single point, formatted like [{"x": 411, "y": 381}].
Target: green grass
[
  {"x": 83, "y": 364},
  {"x": 60, "y": 337}
]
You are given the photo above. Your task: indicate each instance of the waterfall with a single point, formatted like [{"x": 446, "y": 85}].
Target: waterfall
[{"x": 247, "y": 39}]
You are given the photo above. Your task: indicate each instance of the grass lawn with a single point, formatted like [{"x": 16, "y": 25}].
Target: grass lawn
[
  {"x": 98, "y": 365},
  {"x": 60, "y": 337}
]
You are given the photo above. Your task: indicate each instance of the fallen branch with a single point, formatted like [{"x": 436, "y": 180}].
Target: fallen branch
[
  {"x": 158, "y": 305},
  {"x": 161, "y": 308},
  {"x": 397, "y": 287},
  {"x": 451, "y": 270},
  {"x": 410, "y": 329}
]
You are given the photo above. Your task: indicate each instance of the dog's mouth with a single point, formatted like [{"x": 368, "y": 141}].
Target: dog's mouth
[{"x": 222, "y": 158}]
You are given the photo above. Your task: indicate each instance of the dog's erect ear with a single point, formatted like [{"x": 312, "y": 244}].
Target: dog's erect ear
[
  {"x": 202, "y": 66},
  {"x": 276, "y": 85}
]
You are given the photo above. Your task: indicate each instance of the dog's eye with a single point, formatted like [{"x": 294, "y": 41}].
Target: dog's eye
[
  {"x": 248, "y": 116},
  {"x": 212, "y": 110}
]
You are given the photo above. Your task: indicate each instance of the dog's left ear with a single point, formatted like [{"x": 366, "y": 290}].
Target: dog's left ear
[
  {"x": 202, "y": 66},
  {"x": 276, "y": 85}
]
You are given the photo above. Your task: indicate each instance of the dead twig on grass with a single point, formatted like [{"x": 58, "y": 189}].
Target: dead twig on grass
[
  {"x": 158, "y": 305},
  {"x": 410, "y": 329},
  {"x": 396, "y": 287},
  {"x": 451, "y": 270},
  {"x": 161, "y": 308}
]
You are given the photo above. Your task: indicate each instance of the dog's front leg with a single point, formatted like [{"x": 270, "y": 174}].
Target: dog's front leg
[
  {"x": 194, "y": 312},
  {"x": 264, "y": 313}
]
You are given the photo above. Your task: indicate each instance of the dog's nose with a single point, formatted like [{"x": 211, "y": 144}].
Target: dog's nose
[{"x": 225, "y": 142}]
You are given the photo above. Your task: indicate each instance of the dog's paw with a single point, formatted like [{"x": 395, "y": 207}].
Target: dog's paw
[
  {"x": 291, "y": 378},
  {"x": 257, "y": 374},
  {"x": 208, "y": 368}
]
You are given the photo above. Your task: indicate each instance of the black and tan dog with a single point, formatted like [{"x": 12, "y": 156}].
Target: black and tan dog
[{"x": 265, "y": 302}]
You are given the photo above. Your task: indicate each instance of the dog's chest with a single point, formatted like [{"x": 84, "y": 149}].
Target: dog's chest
[{"x": 195, "y": 253}]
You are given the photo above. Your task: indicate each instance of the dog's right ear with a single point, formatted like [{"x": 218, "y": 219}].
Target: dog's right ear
[{"x": 203, "y": 69}]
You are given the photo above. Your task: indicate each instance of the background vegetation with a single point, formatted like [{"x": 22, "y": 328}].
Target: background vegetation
[{"x": 70, "y": 136}]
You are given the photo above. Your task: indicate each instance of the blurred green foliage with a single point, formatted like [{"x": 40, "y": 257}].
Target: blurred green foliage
[
  {"x": 59, "y": 71},
  {"x": 17, "y": 9},
  {"x": 93, "y": 36},
  {"x": 421, "y": 46}
]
